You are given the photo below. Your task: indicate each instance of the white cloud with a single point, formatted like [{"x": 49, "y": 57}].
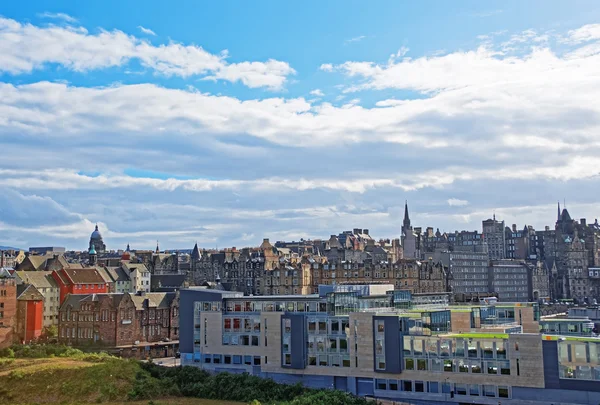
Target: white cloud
[
  {"x": 326, "y": 67},
  {"x": 527, "y": 122},
  {"x": 147, "y": 31},
  {"x": 355, "y": 39},
  {"x": 26, "y": 47},
  {"x": 589, "y": 32},
  {"x": 317, "y": 92},
  {"x": 58, "y": 16},
  {"x": 455, "y": 202}
]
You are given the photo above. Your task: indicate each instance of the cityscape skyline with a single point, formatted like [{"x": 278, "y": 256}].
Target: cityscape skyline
[{"x": 180, "y": 129}]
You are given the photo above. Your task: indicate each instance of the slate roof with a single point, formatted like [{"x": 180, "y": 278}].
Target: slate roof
[
  {"x": 153, "y": 300},
  {"x": 27, "y": 292},
  {"x": 84, "y": 276},
  {"x": 118, "y": 274},
  {"x": 39, "y": 279}
]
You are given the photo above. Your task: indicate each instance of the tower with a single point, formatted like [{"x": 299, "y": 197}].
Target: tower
[{"x": 93, "y": 255}]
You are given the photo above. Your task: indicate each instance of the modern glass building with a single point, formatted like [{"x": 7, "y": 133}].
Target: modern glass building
[{"x": 390, "y": 345}]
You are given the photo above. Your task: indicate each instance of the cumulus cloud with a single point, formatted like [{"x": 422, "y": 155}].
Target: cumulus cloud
[
  {"x": 147, "y": 31},
  {"x": 317, "y": 92},
  {"x": 455, "y": 202},
  {"x": 485, "y": 119},
  {"x": 26, "y": 47},
  {"x": 326, "y": 67}
]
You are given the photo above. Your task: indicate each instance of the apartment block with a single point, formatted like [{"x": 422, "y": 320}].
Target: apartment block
[{"x": 389, "y": 346}]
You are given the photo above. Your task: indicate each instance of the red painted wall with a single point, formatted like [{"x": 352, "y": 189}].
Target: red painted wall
[{"x": 33, "y": 328}]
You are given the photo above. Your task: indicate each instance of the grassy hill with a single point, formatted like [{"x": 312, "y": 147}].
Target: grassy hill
[
  {"x": 75, "y": 381},
  {"x": 57, "y": 374}
]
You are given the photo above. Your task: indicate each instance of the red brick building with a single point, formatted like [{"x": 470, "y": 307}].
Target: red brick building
[
  {"x": 30, "y": 313},
  {"x": 79, "y": 281},
  {"x": 120, "y": 320},
  {"x": 8, "y": 310}
]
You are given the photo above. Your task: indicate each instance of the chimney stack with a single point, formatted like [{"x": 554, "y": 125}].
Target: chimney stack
[
  {"x": 514, "y": 227},
  {"x": 583, "y": 222}
]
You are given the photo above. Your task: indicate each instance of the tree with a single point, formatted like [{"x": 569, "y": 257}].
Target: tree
[{"x": 50, "y": 332}]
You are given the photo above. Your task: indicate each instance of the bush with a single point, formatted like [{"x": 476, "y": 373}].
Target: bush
[
  {"x": 155, "y": 382},
  {"x": 7, "y": 352}
]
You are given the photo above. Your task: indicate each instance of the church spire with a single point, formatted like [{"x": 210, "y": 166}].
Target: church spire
[
  {"x": 558, "y": 217},
  {"x": 157, "y": 249},
  {"x": 406, "y": 222}
]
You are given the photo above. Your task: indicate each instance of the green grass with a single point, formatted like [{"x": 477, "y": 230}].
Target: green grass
[{"x": 50, "y": 381}]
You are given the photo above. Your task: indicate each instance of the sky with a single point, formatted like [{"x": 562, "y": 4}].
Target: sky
[{"x": 224, "y": 123}]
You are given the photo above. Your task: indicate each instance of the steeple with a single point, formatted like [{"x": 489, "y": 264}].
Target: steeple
[
  {"x": 196, "y": 252},
  {"x": 128, "y": 249},
  {"x": 558, "y": 217},
  {"x": 406, "y": 222},
  {"x": 157, "y": 249}
]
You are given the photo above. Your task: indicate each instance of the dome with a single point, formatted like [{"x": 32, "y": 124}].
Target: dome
[
  {"x": 96, "y": 234},
  {"x": 92, "y": 250}
]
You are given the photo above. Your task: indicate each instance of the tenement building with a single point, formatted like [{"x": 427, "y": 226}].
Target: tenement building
[{"x": 372, "y": 340}]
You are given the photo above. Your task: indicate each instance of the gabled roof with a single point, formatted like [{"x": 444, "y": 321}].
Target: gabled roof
[
  {"x": 83, "y": 276},
  {"x": 118, "y": 274},
  {"x": 153, "y": 300},
  {"x": 27, "y": 292}
]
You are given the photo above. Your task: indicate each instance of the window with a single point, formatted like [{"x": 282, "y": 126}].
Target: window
[
  {"x": 409, "y": 364},
  {"x": 503, "y": 392},
  {"x": 381, "y": 384},
  {"x": 393, "y": 385}
]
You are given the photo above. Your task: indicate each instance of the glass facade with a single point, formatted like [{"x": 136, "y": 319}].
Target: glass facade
[
  {"x": 456, "y": 355},
  {"x": 328, "y": 341},
  {"x": 579, "y": 360}
]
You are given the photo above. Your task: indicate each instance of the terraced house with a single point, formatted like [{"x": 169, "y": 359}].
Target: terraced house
[{"x": 372, "y": 340}]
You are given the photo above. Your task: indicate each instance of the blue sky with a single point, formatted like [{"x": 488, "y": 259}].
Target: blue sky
[{"x": 227, "y": 122}]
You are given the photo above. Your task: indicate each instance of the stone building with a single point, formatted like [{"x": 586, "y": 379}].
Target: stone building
[{"x": 119, "y": 319}]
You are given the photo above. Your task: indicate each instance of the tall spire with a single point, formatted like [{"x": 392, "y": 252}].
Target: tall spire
[
  {"x": 406, "y": 222},
  {"x": 558, "y": 217},
  {"x": 157, "y": 249}
]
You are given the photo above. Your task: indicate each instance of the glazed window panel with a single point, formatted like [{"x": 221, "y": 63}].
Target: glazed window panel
[
  {"x": 432, "y": 347},
  {"x": 487, "y": 349},
  {"x": 459, "y": 348},
  {"x": 407, "y": 345},
  {"x": 445, "y": 347},
  {"x": 473, "y": 350},
  {"x": 418, "y": 344}
]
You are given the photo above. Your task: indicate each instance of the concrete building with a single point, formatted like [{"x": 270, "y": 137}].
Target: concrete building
[
  {"x": 400, "y": 352},
  {"x": 510, "y": 280},
  {"x": 468, "y": 267},
  {"x": 46, "y": 250},
  {"x": 494, "y": 236}
]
